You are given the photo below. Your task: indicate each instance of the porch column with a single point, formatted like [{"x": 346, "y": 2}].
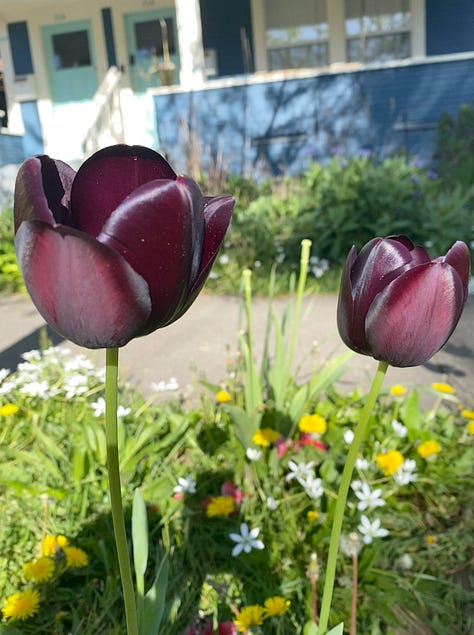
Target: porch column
[{"x": 188, "y": 19}]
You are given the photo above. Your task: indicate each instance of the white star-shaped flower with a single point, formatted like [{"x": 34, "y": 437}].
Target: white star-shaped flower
[
  {"x": 368, "y": 498},
  {"x": 300, "y": 471},
  {"x": 371, "y": 530},
  {"x": 186, "y": 485},
  {"x": 246, "y": 540}
]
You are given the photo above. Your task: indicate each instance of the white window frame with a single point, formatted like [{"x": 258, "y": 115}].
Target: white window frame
[{"x": 337, "y": 34}]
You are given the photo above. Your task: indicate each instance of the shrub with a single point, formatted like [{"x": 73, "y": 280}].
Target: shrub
[{"x": 455, "y": 147}]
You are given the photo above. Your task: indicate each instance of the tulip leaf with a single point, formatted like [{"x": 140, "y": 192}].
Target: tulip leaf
[
  {"x": 310, "y": 628},
  {"x": 245, "y": 425},
  {"x": 337, "y": 630},
  {"x": 140, "y": 543},
  {"x": 298, "y": 402},
  {"x": 278, "y": 374},
  {"x": 154, "y": 604}
]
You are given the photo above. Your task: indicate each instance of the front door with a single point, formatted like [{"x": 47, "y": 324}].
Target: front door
[
  {"x": 70, "y": 61},
  {"x": 152, "y": 47}
]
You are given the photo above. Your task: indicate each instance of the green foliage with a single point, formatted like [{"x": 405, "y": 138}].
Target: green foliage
[
  {"x": 10, "y": 276},
  {"x": 455, "y": 147},
  {"x": 337, "y": 205}
]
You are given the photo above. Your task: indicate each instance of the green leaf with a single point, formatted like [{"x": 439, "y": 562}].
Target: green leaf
[
  {"x": 337, "y": 630},
  {"x": 140, "y": 543},
  {"x": 9, "y": 630},
  {"x": 245, "y": 424},
  {"x": 154, "y": 604},
  {"x": 310, "y": 628},
  {"x": 278, "y": 374}
]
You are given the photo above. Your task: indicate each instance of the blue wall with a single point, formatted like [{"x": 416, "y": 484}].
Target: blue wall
[
  {"x": 449, "y": 26},
  {"x": 11, "y": 150},
  {"x": 284, "y": 125}
]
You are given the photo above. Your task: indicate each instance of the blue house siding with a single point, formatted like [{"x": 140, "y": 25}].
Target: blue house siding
[
  {"x": 283, "y": 125},
  {"x": 11, "y": 150},
  {"x": 449, "y": 26}
]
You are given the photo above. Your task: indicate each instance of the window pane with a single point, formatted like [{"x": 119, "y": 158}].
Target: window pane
[
  {"x": 305, "y": 56},
  {"x": 149, "y": 39},
  {"x": 71, "y": 49},
  {"x": 377, "y": 30},
  {"x": 296, "y": 33},
  {"x": 381, "y": 48}
]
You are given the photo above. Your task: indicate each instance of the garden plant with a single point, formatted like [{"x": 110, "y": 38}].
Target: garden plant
[{"x": 273, "y": 506}]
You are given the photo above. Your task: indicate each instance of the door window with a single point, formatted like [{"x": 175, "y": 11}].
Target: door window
[{"x": 71, "y": 50}]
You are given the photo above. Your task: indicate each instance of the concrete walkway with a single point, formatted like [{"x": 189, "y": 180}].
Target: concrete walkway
[{"x": 206, "y": 337}]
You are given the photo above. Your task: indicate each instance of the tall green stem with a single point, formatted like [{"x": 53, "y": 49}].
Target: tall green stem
[
  {"x": 304, "y": 261},
  {"x": 359, "y": 435},
  {"x": 115, "y": 489}
]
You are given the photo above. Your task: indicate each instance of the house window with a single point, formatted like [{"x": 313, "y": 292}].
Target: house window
[
  {"x": 296, "y": 33},
  {"x": 377, "y": 30},
  {"x": 149, "y": 38},
  {"x": 71, "y": 49}
]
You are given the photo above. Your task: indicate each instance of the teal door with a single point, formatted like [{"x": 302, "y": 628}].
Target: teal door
[
  {"x": 152, "y": 41},
  {"x": 70, "y": 61}
]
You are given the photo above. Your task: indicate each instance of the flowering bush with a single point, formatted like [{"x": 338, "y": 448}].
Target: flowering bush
[{"x": 256, "y": 563}]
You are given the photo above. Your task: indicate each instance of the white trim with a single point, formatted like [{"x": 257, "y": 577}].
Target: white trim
[
  {"x": 337, "y": 34},
  {"x": 418, "y": 27},
  {"x": 303, "y": 73},
  {"x": 257, "y": 9}
]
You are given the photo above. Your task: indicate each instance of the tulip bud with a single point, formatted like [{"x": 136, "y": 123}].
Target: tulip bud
[
  {"x": 398, "y": 305},
  {"x": 118, "y": 249}
]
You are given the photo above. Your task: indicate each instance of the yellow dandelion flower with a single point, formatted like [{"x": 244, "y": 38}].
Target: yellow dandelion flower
[
  {"x": 250, "y": 616},
  {"x": 430, "y": 539},
  {"x": 39, "y": 570},
  {"x": 21, "y": 606},
  {"x": 470, "y": 427},
  {"x": 312, "y": 516},
  {"x": 441, "y": 387},
  {"x": 51, "y": 544},
  {"x": 75, "y": 557},
  {"x": 389, "y": 462},
  {"x": 397, "y": 390},
  {"x": 428, "y": 448},
  {"x": 468, "y": 414},
  {"x": 9, "y": 409},
  {"x": 314, "y": 424},
  {"x": 265, "y": 437},
  {"x": 276, "y": 605},
  {"x": 223, "y": 396},
  {"x": 220, "y": 506}
]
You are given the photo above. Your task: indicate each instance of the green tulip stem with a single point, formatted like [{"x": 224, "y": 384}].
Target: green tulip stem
[
  {"x": 115, "y": 489},
  {"x": 359, "y": 435}
]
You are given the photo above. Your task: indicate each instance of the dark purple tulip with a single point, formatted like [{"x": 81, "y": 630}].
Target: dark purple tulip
[
  {"x": 396, "y": 304},
  {"x": 117, "y": 250}
]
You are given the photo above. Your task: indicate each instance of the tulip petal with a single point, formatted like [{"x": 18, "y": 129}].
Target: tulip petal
[
  {"x": 413, "y": 317},
  {"x": 365, "y": 275},
  {"x": 84, "y": 290},
  {"x": 217, "y": 215},
  {"x": 460, "y": 259},
  {"x": 107, "y": 178},
  {"x": 154, "y": 229},
  {"x": 42, "y": 191}
]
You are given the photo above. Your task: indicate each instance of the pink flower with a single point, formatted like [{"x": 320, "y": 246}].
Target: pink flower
[
  {"x": 230, "y": 489},
  {"x": 307, "y": 438}
]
